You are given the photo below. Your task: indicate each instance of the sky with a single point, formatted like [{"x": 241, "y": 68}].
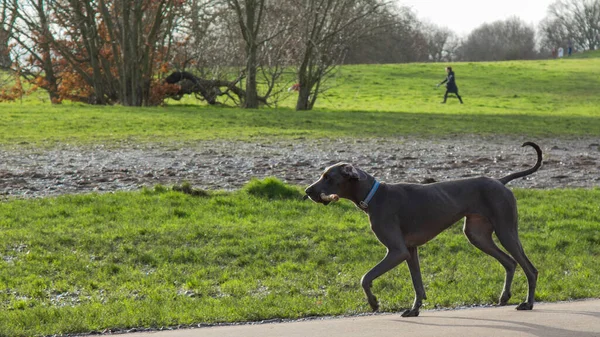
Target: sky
[{"x": 462, "y": 16}]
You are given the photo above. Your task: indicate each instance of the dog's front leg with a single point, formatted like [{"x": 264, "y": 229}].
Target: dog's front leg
[
  {"x": 392, "y": 238},
  {"x": 391, "y": 260},
  {"x": 415, "y": 274}
]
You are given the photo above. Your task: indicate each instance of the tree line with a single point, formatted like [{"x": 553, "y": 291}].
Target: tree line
[{"x": 248, "y": 52}]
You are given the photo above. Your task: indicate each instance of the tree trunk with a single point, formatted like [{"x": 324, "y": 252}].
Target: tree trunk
[
  {"x": 7, "y": 22},
  {"x": 51, "y": 85},
  {"x": 249, "y": 20},
  {"x": 89, "y": 32},
  {"x": 131, "y": 83},
  {"x": 251, "y": 99},
  {"x": 303, "y": 102},
  {"x": 50, "y": 78},
  {"x": 5, "y": 61}
]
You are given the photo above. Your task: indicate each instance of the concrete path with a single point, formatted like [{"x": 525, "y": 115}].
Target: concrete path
[{"x": 565, "y": 319}]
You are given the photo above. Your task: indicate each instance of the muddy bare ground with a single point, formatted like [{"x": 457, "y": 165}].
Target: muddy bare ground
[{"x": 226, "y": 165}]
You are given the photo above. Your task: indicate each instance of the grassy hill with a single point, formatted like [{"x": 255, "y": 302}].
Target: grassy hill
[
  {"x": 538, "y": 87},
  {"x": 547, "y": 98},
  {"x": 587, "y": 54},
  {"x": 551, "y": 87}
]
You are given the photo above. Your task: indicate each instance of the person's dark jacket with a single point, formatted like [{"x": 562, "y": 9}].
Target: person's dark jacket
[{"x": 451, "y": 85}]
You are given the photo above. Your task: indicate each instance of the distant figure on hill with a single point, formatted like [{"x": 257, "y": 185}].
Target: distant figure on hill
[{"x": 450, "y": 85}]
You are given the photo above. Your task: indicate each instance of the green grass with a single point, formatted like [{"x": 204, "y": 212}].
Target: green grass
[
  {"x": 537, "y": 98},
  {"x": 587, "y": 54},
  {"x": 162, "y": 258},
  {"x": 111, "y": 125}
]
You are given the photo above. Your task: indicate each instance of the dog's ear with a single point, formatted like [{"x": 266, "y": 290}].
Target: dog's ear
[{"x": 351, "y": 172}]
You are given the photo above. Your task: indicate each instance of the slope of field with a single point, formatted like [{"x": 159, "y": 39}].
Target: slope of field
[
  {"x": 544, "y": 98},
  {"x": 587, "y": 54}
]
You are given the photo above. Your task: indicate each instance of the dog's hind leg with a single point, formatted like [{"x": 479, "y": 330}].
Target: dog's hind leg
[
  {"x": 510, "y": 241},
  {"x": 415, "y": 274},
  {"x": 479, "y": 231}
]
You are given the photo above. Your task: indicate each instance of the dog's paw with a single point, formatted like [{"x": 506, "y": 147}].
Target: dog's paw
[
  {"x": 411, "y": 313},
  {"x": 525, "y": 306},
  {"x": 504, "y": 299},
  {"x": 373, "y": 303}
]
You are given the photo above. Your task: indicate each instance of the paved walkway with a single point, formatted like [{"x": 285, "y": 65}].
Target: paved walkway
[{"x": 565, "y": 319}]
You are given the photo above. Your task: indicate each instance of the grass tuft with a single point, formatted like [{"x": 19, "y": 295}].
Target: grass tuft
[
  {"x": 271, "y": 188},
  {"x": 187, "y": 188}
]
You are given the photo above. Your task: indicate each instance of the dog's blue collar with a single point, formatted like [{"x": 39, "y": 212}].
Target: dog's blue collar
[{"x": 365, "y": 203}]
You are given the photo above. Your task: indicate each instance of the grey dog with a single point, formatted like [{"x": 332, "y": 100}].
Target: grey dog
[{"x": 406, "y": 216}]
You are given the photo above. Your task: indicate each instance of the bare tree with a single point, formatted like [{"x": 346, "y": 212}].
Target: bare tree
[
  {"x": 579, "y": 20},
  {"x": 134, "y": 29},
  {"x": 324, "y": 30},
  {"x": 7, "y": 22},
  {"x": 552, "y": 35},
  {"x": 442, "y": 43},
  {"x": 393, "y": 35},
  {"x": 32, "y": 37},
  {"x": 206, "y": 52},
  {"x": 249, "y": 14},
  {"x": 210, "y": 53},
  {"x": 203, "y": 39},
  {"x": 510, "y": 39},
  {"x": 101, "y": 52}
]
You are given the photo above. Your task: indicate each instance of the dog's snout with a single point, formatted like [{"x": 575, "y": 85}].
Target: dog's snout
[
  {"x": 312, "y": 193},
  {"x": 309, "y": 190}
]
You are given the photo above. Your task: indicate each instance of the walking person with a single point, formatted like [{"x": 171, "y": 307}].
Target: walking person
[{"x": 450, "y": 85}]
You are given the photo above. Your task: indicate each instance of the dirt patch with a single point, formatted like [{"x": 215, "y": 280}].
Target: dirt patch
[{"x": 229, "y": 165}]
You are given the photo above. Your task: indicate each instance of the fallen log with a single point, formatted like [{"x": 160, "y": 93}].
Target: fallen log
[{"x": 208, "y": 90}]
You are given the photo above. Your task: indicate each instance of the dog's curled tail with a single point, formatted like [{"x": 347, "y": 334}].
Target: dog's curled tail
[{"x": 537, "y": 165}]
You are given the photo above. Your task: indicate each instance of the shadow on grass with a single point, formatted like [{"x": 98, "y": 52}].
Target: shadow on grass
[
  {"x": 381, "y": 124},
  {"x": 93, "y": 125}
]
